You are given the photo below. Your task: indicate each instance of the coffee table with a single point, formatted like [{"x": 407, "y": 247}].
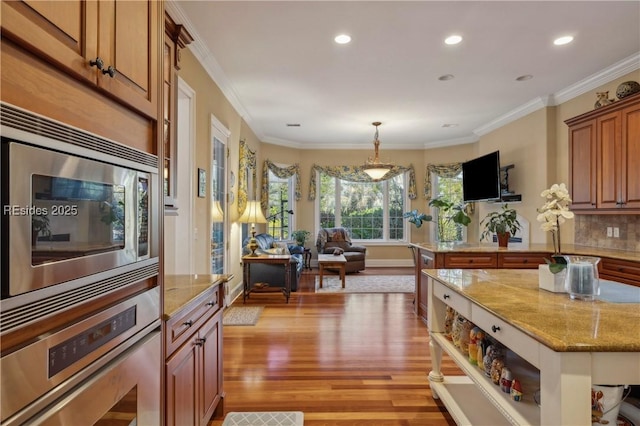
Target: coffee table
[{"x": 332, "y": 261}]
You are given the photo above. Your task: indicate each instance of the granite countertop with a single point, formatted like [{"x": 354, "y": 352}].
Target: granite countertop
[
  {"x": 553, "y": 319},
  {"x": 179, "y": 290},
  {"x": 491, "y": 248}
]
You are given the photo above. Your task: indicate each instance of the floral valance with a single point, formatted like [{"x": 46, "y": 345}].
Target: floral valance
[
  {"x": 282, "y": 173},
  {"x": 247, "y": 172},
  {"x": 450, "y": 170},
  {"x": 356, "y": 174}
]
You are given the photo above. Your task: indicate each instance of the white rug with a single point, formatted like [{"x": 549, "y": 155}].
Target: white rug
[
  {"x": 367, "y": 284},
  {"x": 242, "y": 315},
  {"x": 264, "y": 418}
]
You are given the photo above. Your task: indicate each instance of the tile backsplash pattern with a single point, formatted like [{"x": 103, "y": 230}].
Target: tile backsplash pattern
[{"x": 591, "y": 231}]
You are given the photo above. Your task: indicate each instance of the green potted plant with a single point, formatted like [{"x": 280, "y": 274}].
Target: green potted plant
[
  {"x": 301, "y": 236},
  {"x": 503, "y": 223}
]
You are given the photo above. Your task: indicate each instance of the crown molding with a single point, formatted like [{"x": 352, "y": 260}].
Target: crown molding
[
  {"x": 211, "y": 66},
  {"x": 519, "y": 112}
]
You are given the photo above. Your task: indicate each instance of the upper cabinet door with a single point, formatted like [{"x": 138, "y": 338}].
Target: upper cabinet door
[
  {"x": 609, "y": 159},
  {"x": 630, "y": 186},
  {"x": 87, "y": 39},
  {"x": 582, "y": 165},
  {"x": 63, "y": 33},
  {"x": 128, "y": 42}
]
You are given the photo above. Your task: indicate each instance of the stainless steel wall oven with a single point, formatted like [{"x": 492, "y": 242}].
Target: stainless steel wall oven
[{"x": 80, "y": 264}]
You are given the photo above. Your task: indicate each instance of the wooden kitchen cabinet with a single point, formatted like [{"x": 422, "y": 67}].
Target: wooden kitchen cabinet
[
  {"x": 470, "y": 260},
  {"x": 194, "y": 360},
  {"x": 604, "y": 158},
  {"x": 524, "y": 260},
  {"x": 622, "y": 271},
  {"x": 75, "y": 37}
]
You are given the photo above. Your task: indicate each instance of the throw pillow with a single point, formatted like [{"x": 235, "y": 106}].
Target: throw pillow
[{"x": 275, "y": 250}]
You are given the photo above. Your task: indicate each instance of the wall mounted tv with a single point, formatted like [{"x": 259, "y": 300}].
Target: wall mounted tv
[{"x": 481, "y": 178}]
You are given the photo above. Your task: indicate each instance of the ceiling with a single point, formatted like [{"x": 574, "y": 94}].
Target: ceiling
[{"x": 277, "y": 63}]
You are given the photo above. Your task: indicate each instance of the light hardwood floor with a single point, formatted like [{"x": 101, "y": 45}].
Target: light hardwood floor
[{"x": 346, "y": 359}]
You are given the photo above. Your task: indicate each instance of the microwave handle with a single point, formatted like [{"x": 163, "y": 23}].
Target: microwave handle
[{"x": 143, "y": 210}]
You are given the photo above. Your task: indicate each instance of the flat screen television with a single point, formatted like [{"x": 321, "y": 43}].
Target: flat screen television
[{"x": 481, "y": 178}]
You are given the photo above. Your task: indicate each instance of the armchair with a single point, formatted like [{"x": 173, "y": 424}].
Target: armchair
[
  {"x": 274, "y": 274},
  {"x": 330, "y": 239}
]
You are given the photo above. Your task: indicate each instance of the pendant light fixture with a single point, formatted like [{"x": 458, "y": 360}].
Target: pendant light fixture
[{"x": 373, "y": 167}]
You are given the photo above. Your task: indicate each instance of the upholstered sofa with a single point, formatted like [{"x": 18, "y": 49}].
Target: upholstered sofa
[
  {"x": 274, "y": 274},
  {"x": 330, "y": 239}
]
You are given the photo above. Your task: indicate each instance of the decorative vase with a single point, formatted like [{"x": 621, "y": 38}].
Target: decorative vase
[
  {"x": 627, "y": 88},
  {"x": 503, "y": 239},
  {"x": 581, "y": 281},
  {"x": 550, "y": 281}
]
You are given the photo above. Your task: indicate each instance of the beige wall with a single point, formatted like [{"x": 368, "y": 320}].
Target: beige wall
[{"x": 536, "y": 144}]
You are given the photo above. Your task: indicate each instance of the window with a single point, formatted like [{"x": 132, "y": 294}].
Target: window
[
  {"x": 449, "y": 188},
  {"x": 371, "y": 210},
  {"x": 280, "y": 221}
]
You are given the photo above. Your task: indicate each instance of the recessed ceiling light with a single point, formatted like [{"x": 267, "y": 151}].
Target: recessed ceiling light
[
  {"x": 563, "y": 40},
  {"x": 524, "y": 77},
  {"x": 342, "y": 39},
  {"x": 446, "y": 77},
  {"x": 453, "y": 39},
  {"x": 450, "y": 125},
  {"x": 293, "y": 124}
]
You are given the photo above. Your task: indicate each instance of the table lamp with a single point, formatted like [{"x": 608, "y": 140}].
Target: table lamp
[{"x": 252, "y": 214}]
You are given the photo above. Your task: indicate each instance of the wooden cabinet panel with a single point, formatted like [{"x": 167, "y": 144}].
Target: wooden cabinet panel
[
  {"x": 604, "y": 158},
  {"x": 609, "y": 156},
  {"x": 181, "y": 387},
  {"x": 620, "y": 270},
  {"x": 630, "y": 165},
  {"x": 470, "y": 260},
  {"x": 211, "y": 367},
  {"x": 582, "y": 165},
  {"x": 70, "y": 35},
  {"x": 521, "y": 260}
]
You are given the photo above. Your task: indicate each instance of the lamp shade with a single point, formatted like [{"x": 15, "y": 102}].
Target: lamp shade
[
  {"x": 216, "y": 212},
  {"x": 252, "y": 213},
  {"x": 376, "y": 172}
]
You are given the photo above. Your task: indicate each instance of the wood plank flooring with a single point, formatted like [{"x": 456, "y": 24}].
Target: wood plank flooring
[{"x": 342, "y": 359}]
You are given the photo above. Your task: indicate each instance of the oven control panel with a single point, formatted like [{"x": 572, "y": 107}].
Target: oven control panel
[{"x": 73, "y": 349}]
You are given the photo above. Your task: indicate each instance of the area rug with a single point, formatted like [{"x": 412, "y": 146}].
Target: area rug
[
  {"x": 264, "y": 418},
  {"x": 242, "y": 315},
  {"x": 367, "y": 284}
]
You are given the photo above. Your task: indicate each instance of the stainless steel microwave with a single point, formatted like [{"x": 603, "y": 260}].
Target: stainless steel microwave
[{"x": 67, "y": 216}]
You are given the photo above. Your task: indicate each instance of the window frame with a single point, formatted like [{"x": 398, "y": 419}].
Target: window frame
[
  {"x": 291, "y": 204},
  {"x": 434, "y": 232}
]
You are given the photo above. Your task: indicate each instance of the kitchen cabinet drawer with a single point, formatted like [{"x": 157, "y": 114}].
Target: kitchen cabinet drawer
[
  {"x": 185, "y": 323},
  {"x": 506, "y": 334},
  {"x": 453, "y": 299},
  {"x": 620, "y": 270},
  {"x": 521, "y": 260},
  {"x": 476, "y": 260}
]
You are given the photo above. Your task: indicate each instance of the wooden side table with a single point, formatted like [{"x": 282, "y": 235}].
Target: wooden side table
[
  {"x": 275, "y": 259},
  {"x": 332, "y": 261}
]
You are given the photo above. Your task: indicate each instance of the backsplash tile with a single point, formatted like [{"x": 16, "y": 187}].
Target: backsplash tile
[{"x": 591, "y": 231}]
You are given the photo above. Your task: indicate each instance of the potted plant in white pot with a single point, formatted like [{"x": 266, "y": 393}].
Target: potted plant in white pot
[{"x": 503, "y": 223}]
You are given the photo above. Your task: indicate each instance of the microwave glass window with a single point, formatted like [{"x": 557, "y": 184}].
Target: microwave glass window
[
  {"x": 143, "y": 216},
  {"x": 74, "y": 218}
]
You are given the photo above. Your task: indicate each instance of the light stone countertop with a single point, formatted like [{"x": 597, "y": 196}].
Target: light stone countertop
[
  {"x": 179, "y": 290},
  {"x": 493, "y": 248},
  {"x": 553, "y": 319}
]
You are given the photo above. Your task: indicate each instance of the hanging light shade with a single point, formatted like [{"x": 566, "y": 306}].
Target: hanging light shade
[
  {"x": 253, "y": 214},
  {"x": 373, "y": 167}
]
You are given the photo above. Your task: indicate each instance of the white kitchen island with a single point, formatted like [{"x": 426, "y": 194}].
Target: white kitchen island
[{"x": 557, "y": 345}]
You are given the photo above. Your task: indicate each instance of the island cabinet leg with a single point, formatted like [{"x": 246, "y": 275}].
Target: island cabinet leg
[
  {"x": 565, "y": 387},
  {"x": 435, "y": 375}
]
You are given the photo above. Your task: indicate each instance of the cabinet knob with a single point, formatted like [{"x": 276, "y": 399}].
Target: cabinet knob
[
  {"x": 211, "y": 303},
  {"x": 200, "y": 342},
  {"x": 188, "y": 323},
  {"x": 446, "y": 296},
  {"x": 97, "y": 62},
  {"x": 110, "y": 70},
  {"x": 495, "y": 328}
]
